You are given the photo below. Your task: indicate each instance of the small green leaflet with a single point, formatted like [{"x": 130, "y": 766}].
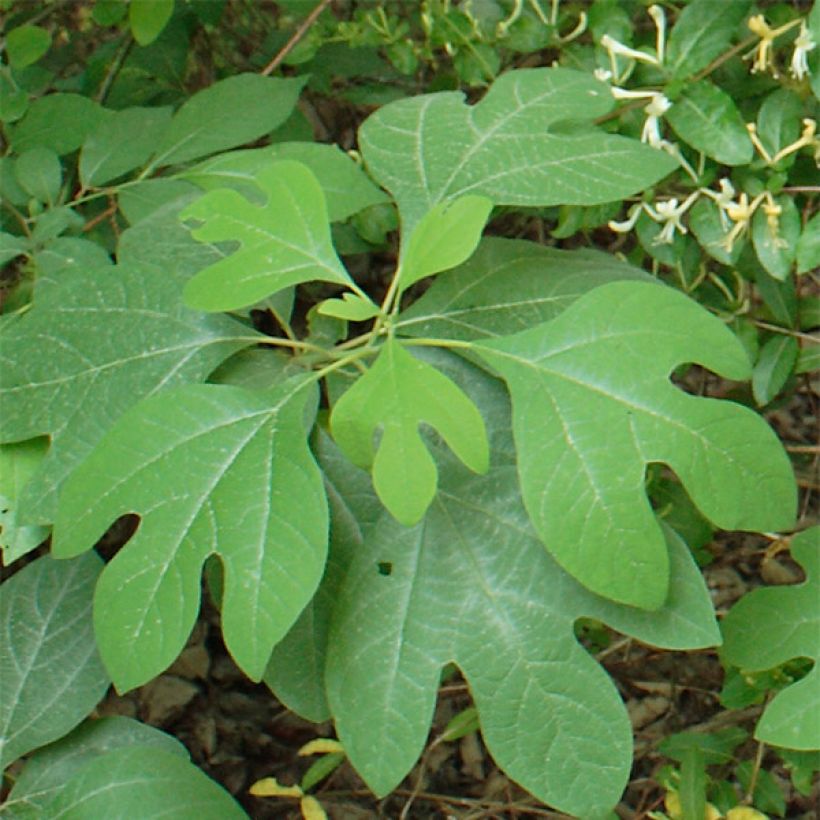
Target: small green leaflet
[
  {"x": 185, "y": 461},
  {"x": 90, "y": 349},
  {"x": 509, "y": 285},
  {"x": 471, "y": 584},
  {"x": 284, "y": 242},
  {"x": 770, "y": 626},
  {"x": 445, "y": 237},
  {"x": 776, "y": 246},
  {"x": 523, "y": 144},
  {"x": 593, "y": 405},
  {"x": 45, "y": 626},
  {"x": 147, "y": 18},
  {"x": 773, "y": 367},
  {"x": 351, "y": 307},
  {"x": 398, "y": 393}
]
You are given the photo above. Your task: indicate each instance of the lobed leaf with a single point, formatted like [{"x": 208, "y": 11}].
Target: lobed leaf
[
  {"x": 397, "y": 394},
  {"x": 90, "y": 349},
  {"x": 768, "y": 627},
  {"x": 471, "y": 584},
  {"x": 592, "y": 406},
  {"x": 186, "y": 461},
  {"x": 284, "y": 242},
  {"x": 527, "y": 142}
]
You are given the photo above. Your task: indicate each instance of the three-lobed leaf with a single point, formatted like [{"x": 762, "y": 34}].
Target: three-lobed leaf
[
  {"x": 397, "y": 394},
  {"x": 768, "y": 627},
  {"x": 87, "y": 351},
  {"x": 210, "y": 469},
  {"x": 593, "y": 405},
  {"x": 284, "y": 242},
  {"x": 471, "y": 584}
]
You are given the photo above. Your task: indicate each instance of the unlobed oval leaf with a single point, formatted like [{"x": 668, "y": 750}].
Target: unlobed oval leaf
[
  {"x": 51, "y": 674},
  {"x": 282, "y": 243},
  {"x": 211, "y": 470},
  {"x": 593, "y": 405}
]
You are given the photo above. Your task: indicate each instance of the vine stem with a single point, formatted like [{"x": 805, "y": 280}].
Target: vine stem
[{"x": 294, "y": 40}]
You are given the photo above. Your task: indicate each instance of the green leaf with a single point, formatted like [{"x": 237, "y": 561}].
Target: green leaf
[
  {"x": 768, "y": 627},
  {"x": 778, "y": 120},
  {"x": 528, "y": 142},
  {"x": 397, "y": 394},
  {"x": 445, "y": 237},
  {"x": 60, "y": 122},
  {"x": 87, "y": 351},
  {"x": 140, "y": 200},
  {"x": 814, "y": 55},
  {"x": 229, "y": 113},
  {"x": 350, "y": 307},
  {"x": 124, "y": 141},
  {"x": 715, "y": 747},
  {"x": 282, "y": 243},
  {"x": 26, "y": 44},
  {"x": 39, "y": 173},
  {"x": 808, "y": 246},
  {"x": 703, "y": 31},
  {"x": 11, "y": 247},
  {"x": 147, "y": 19},
  {"x": 705, "y": 117},
  {"x": 143, "y": 782},
  {"x": 18, "y": 462},
  {"x": 296, "y": 672},
  {"x": 52, "y": 676},
  {"x": 66, "y": 256},
  {"x": 185, "y": 461},
  {"x": 773, "y": 367},
  {"x": 593, "y": 406},
  {"x": 779, "y": 297},
  {"x": 347, "y": 188},
  {"x": 48, "y": 770},
  {"x": 692, "y": 787},
  {"x": 471, "y": 584},
  {"x": 705, "y": 222},
  {"x": 776, "y": 249},
  {"x": 767, "y": 793},
  {"x": 809, "y": 359},
  {"x": 509, "y": 285}
]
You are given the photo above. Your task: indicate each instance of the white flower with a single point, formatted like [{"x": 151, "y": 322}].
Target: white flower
[
  {"x": 657, "y": 107},
  {"x": 669, "y": 213},
  {"x": 802, "y": 46}
]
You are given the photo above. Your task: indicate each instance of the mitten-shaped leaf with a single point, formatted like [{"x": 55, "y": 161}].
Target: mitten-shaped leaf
[
  {"x": 473, "y": 585},
  {"x": 283, "y": 242},
  {"x": 768, "y": 627},
  {"x": 514, "y": 147},
  {"x": 211, "y": 470},
  {"x": 593, "y": 405},
  {"x": 397, "y": 394},
  {"x": 88, "y": 351}
]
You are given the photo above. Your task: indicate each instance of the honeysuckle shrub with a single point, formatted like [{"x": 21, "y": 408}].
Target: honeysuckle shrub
[{"x": 453, "y": 458}]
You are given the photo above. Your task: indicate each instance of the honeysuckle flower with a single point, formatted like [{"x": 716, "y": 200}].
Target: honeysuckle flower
[
  {"x": 659, "y": 19},
  {"x": 808, "y": 137},
  {"x": 773, "y": 211},
  {"x": 602, "y": 74},
  {"x": 616, "y": 49},
  {"x": 740, "y": 213},
  {"x": 669, "y": 213},
  {"x": 761, "y": 148},
  {"x": 802, "y": 46},
  {"x": 629, "y": 223},
  {"x": 657, "y": 107},
  {"x": 723, "y": 200},
  {"x": 763, "y": 50}
]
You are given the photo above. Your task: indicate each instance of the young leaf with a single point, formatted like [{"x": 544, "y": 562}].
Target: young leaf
[
  {"x": 350, "y": 307},
  {"x": 282, "y": 243},
  {"x": 26, "y": 44},
  {"x": 398, "y": 393},
  {"x": 347, "y": 188},
  {"x": 768, "y": 627},
  {"x": 124, "y": 141},
  {"x": 185, "y": 461},
  {"x": 773, "y": 367},
  {"x": 229, "y": 113},
  {"x": 143, "y": 782},
  {"x": 703, "y": 30},
  {"x": 509, "y": 285},
  {"x": 706, "y": 117},
  {"x": 48, "y": 769},
  {"x": 592, "y": 406},
  {"x": 45, "y": 622},
  {"x": 513, "y": 147},
  {"x": 471, "y": 584},
  {"x": 60, "y": 122},
  {"x": 90, "y": 349},
  {"x": 445, "y": 237}
]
